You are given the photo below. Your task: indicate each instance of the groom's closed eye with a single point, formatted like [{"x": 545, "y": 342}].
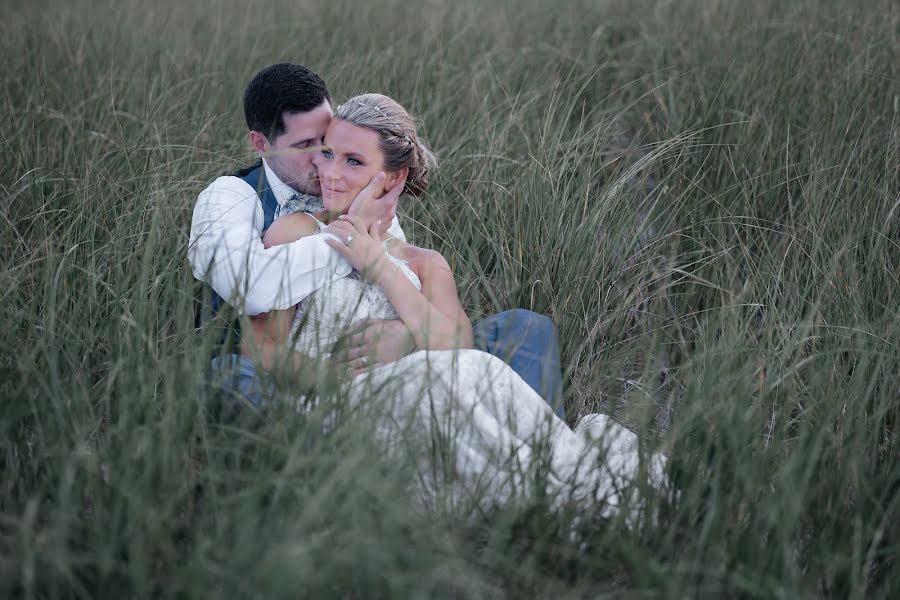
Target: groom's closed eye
[{"x": 305, "y": 144}]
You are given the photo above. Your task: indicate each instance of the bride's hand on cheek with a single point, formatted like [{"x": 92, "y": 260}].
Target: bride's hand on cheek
[
  {"x": 369, "y": 208},
  {"x": 364, "y": 251}
]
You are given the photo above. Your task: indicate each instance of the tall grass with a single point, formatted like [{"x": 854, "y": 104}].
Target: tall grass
[{"x": 742, "y": 314}]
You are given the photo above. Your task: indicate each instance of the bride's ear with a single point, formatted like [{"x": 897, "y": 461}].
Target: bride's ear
[{"x": 394, "y": 177}]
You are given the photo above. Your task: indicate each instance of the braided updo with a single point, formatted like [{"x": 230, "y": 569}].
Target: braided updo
[{"x": 400, "y": 142}]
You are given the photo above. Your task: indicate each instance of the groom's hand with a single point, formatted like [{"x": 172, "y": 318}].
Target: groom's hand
[
  {"x": 371, "y": 209},
  {"x": 376, "y": 342}
]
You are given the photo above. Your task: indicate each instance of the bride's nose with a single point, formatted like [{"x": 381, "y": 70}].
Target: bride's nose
[{"x": 320, "y": 165}]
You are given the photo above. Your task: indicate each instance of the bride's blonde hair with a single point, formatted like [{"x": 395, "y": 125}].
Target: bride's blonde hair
[{"x": 400, "y": 142}]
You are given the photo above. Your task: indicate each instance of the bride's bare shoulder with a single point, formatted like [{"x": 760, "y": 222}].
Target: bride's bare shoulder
[
  {"x": 290, "y": 228},
  {"x": 420, "y": 259}
]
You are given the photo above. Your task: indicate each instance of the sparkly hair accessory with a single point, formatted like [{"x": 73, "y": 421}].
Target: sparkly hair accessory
[{"x": 383, "y": 114}]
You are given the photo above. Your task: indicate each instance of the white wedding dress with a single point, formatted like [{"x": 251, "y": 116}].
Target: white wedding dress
[{"x": 491, "y": 426}]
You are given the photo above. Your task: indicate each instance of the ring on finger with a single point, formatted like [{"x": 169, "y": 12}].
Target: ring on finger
[{"x": 349, "y": 239}]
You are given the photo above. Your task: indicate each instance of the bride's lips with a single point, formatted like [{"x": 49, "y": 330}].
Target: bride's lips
[{"x": 331, "y": 190}]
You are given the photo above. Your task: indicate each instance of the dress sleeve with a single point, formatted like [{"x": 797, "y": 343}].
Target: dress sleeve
[{"x": 226, "y": 251}]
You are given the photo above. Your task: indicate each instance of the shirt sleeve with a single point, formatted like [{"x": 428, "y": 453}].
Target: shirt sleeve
[{"x": 226, "y": 251}]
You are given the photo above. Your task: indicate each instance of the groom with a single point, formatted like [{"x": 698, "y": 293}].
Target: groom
[{"x": 288, "y": 108}]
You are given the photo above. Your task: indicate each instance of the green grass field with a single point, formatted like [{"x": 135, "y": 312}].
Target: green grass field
[{"x": 744, "y": 317}]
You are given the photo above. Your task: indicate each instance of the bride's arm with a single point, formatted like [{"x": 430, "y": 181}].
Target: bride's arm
[
  {"x": 441, "y": 319},
  {"x": 434, "y": 315},
  {"x": 289, "y": 228}
]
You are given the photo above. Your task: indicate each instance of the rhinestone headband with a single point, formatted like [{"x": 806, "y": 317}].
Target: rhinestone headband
[{"x": 383, "y": 114}]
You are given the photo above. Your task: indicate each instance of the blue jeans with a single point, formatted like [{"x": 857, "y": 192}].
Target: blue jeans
[
  {"x": 236, "y": 379},
  {"x": 525, "y": 340}
]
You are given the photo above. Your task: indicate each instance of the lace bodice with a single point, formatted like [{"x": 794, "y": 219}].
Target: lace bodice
[{"x": 322, "y": 316}]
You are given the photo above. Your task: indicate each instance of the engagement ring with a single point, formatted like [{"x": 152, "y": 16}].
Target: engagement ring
[{"x": 349, "y": 239}]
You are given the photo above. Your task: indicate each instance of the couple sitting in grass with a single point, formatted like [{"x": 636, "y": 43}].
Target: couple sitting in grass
[{"x": 307, "y": 244}]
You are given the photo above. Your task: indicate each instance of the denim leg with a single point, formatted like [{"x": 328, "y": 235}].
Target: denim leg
[
  {"x": 236, "y": 378},
  {"x": 528, "y": 342}
]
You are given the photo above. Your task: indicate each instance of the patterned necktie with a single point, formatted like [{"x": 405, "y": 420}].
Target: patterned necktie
[{"x": 300, "y": 203}]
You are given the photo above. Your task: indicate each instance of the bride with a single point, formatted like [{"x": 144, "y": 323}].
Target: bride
[{"x": 494, "y": 421}]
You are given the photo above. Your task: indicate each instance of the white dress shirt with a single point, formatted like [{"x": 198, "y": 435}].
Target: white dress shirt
[{"x": 226, "y": 249}]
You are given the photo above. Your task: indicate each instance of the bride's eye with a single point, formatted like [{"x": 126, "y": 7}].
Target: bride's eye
[
  {"x": 353, "y": 161},
  {"x": 327, "y": 153}
]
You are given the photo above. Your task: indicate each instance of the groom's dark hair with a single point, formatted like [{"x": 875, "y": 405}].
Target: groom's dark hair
[{"x": 278, "y": 89}]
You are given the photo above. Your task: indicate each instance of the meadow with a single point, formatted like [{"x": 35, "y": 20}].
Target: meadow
[{"x": 703, "y": 195}]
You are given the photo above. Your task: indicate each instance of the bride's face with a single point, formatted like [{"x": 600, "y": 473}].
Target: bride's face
[{"x": 350, "y": 157}]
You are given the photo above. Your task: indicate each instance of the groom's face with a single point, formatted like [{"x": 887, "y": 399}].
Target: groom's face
[{"x": 290, "y": 154}]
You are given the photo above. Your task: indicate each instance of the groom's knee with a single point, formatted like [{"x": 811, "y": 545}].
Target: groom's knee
[
  {"x": 529, "y": 343},
  {"x": 530, "y": 327},
  {"x": 517, "y": 332}
]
